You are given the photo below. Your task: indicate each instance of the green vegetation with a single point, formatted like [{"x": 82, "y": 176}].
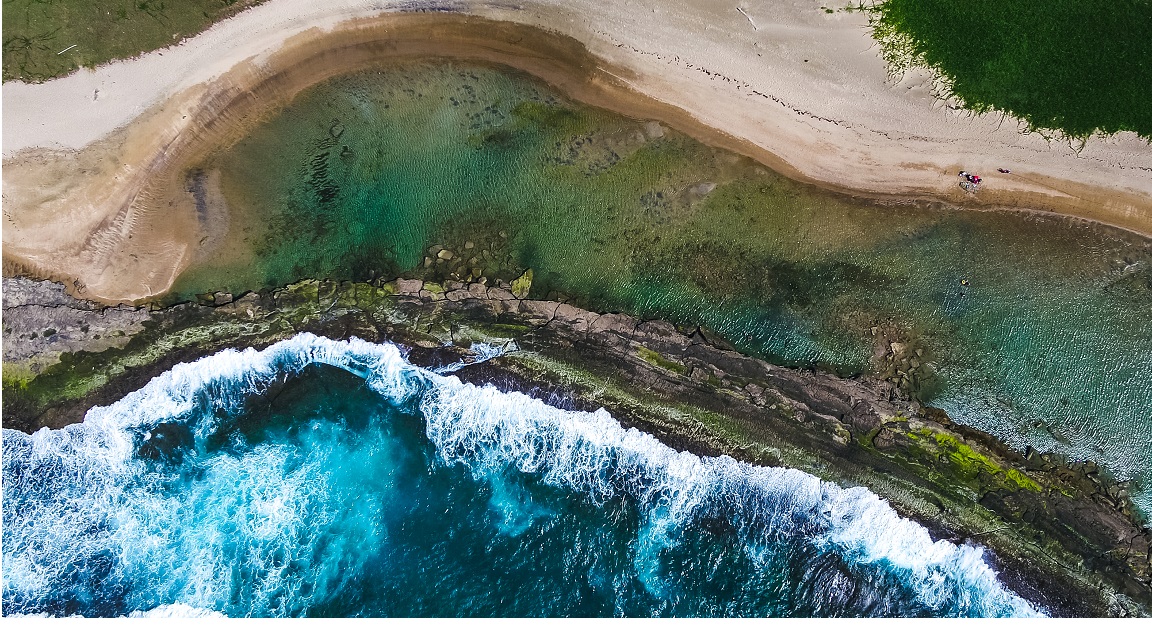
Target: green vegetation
[
  {"x": 966, "y": 463},
  {"x": 44, "y": 39},
  {"x": 655, "y": 359},
  {"x": 1069, "y": 66}
]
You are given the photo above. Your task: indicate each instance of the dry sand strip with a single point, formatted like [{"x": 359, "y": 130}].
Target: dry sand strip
[{"x": 91, "y": 194}]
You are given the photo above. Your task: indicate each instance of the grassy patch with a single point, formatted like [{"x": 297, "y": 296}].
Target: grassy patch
[
  {"x": 45, "y": 39},
  {"x": 1069, "y": 66}
]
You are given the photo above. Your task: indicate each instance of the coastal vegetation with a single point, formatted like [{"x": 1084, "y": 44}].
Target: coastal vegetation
[
  {"x": 1066, "y": 67},
  {"x": 44, "y": 40}
]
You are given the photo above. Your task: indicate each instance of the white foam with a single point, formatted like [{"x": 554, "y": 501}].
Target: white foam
[
  {"x": 176, "y": 611},
  {"x": 88, "y": 467},
  {"x": 482, "y": 352}
]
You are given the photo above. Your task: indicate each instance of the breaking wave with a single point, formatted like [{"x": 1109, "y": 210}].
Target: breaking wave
[{"x": 151, "y": 505}]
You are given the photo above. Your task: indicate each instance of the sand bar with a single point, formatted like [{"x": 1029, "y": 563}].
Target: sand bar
[{"x": 90, "y": 160}]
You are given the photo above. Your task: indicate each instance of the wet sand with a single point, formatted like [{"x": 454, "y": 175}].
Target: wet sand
[{"x": 95, "y": 186}]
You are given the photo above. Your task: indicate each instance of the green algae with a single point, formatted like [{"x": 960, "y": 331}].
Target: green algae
[
  {"x": 967, "y": 465},
  {"x": 653, "y": 358},
  {"x": 1021, "y": 480},
  {"x": 523, "y": 285}
]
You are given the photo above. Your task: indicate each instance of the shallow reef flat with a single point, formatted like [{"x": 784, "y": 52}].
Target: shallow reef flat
[{"x": 1033, "y": 328}]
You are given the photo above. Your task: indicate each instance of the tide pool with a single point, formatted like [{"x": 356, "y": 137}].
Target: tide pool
[{"x": 1036, "y": 329}]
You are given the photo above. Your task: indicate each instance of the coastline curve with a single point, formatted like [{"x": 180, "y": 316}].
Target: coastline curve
[{"x": 114, "y": 221}]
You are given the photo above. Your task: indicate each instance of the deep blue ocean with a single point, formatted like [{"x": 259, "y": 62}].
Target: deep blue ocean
[{"x": 324, "y": 478}]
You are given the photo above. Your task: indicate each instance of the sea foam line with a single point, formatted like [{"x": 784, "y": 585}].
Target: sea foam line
[{"x": 487, "y": 430}]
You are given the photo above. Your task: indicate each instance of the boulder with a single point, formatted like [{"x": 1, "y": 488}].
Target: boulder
[
  {"x": 496, "y": 293},
  {"x": 578, "y": 319},
  {"x": 522, "y": 285},
  {"x": 408, "y": 287}
]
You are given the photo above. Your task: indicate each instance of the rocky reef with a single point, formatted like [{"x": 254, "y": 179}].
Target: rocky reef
[{"x": 1062, "y": 534}]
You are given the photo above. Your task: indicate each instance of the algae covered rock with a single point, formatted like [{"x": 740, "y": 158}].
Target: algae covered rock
[
  {"x": 1067, "y": 528},
  {"x": 522, "y": 285}
]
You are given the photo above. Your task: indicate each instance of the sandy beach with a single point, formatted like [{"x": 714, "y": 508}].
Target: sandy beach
[{"x": 93, "y": 193}]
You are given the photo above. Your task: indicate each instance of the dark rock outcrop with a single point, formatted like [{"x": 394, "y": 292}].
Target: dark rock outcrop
[{"x": 1062, "y": 534}]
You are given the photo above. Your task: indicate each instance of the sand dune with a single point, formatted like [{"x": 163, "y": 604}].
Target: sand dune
[{"x": 93, "y": 193}]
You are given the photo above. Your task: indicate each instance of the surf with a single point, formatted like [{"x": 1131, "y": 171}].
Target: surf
[{"x": 411, "y": 492}]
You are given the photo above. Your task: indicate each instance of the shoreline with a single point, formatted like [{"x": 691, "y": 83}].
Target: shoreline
[
  {"x": 94, "y": 218},
  {"x": 1060, "y": 532}
]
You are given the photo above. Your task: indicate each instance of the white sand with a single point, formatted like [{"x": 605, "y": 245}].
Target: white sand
[{"x": 806, "y": 86}]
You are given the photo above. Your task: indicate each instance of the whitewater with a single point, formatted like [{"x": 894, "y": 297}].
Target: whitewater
[{"x": 413, "y": 493}]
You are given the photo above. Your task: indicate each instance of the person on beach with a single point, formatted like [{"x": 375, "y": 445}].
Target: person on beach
[{"x": 1002, "y": 170}]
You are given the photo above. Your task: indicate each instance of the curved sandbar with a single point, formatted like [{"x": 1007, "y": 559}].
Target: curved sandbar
[{"x": 114, "y": 218}]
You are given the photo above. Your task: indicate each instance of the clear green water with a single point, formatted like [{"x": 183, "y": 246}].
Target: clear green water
[{"x": 1049, "y": 344}]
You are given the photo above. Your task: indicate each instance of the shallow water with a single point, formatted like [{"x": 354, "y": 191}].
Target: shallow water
[
  {"x": 322, "y": 478},
  {"x": 1048, "y": 345}
]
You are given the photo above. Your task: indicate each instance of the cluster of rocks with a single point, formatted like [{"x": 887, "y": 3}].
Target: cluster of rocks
[
  {"x": 215, "y": 299},
  {"x": 456, "y": 291},
  {"x": 1089, "y": 479},
  {"x": 480, "y": 259},
  {"x": 901, "y": 359},
  {"x": 41, "y": 322},
  {"x": 1068, "y": 524}
]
